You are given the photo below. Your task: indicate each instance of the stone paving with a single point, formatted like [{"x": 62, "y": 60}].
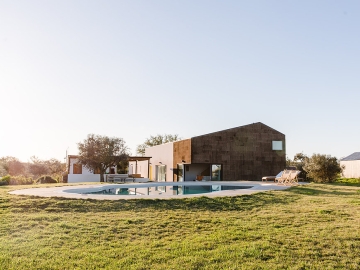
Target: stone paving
[{"x": 77, "y": 192}]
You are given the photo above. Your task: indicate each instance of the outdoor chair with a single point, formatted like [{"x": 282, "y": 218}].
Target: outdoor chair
[
  {"x": 272, "y": 178},
  {"x": 293, "y": 177},
  {"x": 283, "y": 178}
]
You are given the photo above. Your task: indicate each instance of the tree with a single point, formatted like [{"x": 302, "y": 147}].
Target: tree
[
  {"x": 322, "y": 168},
  {"x": 156, "y": 140},
  {"x": 55, "y": 166},
  {"x": 11, "y": 165},
  {"x": 298, "y": 162},
  {"x": 37, "y": 167},
  {"x": 98, "y": 153}
]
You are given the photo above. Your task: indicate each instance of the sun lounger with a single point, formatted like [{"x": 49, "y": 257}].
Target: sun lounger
[
  {"x": 289, "y": 177},
  {"x": 283, "y": 178},
  {"x": 272, "y": 178},
  {"x": 293, "y": 178}
]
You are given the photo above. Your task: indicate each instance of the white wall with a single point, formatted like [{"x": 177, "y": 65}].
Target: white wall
[
  {"x": 142, "y": 168},
  {"x": 85, "y": 176},
  {"x": 162, "y": 153},
  {"x": 73, "y": 161},
  {"x": 77, "y": 178},
  {"x": 352, "y": 168}
]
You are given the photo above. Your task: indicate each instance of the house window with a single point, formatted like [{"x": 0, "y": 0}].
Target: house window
[
  {"x": 216, "y": 172},
  {"x": 97, "y": 171},
  {"x": 277, "y": 145},
  {"x": 77, "y": 169}
]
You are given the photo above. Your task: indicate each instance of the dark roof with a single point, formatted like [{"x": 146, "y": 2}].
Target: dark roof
[{"x": 353, "y": 156}]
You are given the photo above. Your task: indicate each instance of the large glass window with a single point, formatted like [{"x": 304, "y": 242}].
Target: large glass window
[{"x": 216, "y": 172}]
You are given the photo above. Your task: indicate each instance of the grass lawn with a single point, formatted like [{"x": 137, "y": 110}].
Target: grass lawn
[{"x": 308, "y": 227}]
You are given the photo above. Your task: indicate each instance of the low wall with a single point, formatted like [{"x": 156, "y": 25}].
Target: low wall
[{"x": 77, "y": 178}]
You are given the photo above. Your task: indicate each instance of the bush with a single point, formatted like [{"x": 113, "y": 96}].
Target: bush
[
  {"x": 46, "y": 180},
  {"x": 322, "y": 168},
  {"x": 5, "y": 179},
  {"x": 20, "y": 180}
]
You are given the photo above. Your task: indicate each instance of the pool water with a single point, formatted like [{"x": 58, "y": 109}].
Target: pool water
[{"x": 165, "y": 190}]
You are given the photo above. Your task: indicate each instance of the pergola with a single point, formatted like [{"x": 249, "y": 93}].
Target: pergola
[{"x": 139, "y": 158}]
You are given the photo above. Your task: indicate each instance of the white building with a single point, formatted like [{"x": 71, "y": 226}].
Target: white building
[
  {"x": 352, "y": 165},
  {"x": 78, "y": 173},
  {"x": 138, "y": 168}
]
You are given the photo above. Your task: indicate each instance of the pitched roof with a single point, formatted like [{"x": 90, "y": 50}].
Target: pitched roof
[
  {"x": 240, "y": 127},
  {"x": 353, "y": 156}
]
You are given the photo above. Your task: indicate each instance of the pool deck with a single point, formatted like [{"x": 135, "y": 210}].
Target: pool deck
[{"x": 74, "y": 192}]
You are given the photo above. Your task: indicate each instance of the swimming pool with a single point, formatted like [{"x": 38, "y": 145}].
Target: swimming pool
[{"x": 158, "y": 188}]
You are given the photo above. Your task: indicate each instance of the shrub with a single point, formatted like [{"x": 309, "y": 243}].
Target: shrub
[
  {"x": 20, "y": 180},
  {"x": 5, "y": 179},
  {"x": 322, "y": 168},
  {"x": 46, "y": 180}
]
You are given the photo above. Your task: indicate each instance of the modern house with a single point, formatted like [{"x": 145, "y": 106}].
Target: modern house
[
  {"x": 241, "y": 153},
  {"x": 352, "y": 165}
]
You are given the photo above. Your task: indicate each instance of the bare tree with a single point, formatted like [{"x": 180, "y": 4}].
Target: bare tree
[
  {"x": 55, "y": 167},
  {"x": 11, "y": 165},
  {"x": 37, "y": 167},
  {"x": 101, "y": 152},
  {"x": 156, "y": 140}
]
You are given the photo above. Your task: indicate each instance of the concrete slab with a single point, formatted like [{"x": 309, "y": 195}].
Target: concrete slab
[{"x": 78, "y": 192}]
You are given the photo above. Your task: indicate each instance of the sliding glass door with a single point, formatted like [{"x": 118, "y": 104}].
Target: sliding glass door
[
  {"x": 161, "y": 176},
  {"x": 180, "y": 172}
]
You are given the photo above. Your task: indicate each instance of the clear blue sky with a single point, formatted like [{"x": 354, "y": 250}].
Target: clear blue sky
[{"x": 132, "y": 69}]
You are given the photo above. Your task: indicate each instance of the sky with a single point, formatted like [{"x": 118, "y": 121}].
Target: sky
[{"x": 132, "y": 69}]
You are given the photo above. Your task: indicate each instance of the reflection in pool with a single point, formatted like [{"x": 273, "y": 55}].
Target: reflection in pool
[{"x": 165, "y": 190}]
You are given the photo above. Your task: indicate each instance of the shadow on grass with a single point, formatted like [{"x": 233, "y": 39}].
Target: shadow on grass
[{"x": 239, "y": 203}]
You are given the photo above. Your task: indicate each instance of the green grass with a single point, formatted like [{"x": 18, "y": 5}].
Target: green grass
[
  {"x": 309, "y": 227},
  {"x": 348, "y": 181}
]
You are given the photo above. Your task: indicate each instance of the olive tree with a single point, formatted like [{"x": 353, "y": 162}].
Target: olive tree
[
  {"x": 98, "y": 153},
  {"x": 156, "y": 140},
  {"x": 322, "y": 168}
]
